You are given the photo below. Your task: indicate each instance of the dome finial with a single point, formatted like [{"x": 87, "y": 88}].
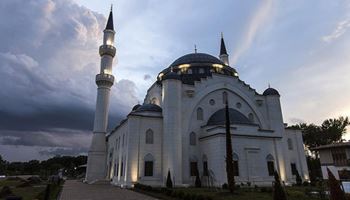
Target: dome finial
[
  {"x": 195, "y": 48},
  {"x": 269, "y": 85}
]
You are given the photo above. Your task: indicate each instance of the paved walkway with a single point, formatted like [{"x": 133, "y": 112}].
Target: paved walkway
[{"x": 74, "y": 190}]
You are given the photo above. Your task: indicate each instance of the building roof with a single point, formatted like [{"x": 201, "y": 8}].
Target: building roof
[
  {"x": 194, "y": 66},
  {"x": 236, "y": 117},
  {"x": 330, "y": 146},
  {"x": 149, "y": 108},
  {"x": 196, "y": 58},
  {"x": 270, "y": 91}
]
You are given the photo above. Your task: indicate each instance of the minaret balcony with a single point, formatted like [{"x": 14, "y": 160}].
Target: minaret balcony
[
  {"x": 104, "y": 79},
  {"x": 107, "y": 49}
]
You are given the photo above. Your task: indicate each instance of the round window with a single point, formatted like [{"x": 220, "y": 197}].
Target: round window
[{"x": 212, "y": 102}]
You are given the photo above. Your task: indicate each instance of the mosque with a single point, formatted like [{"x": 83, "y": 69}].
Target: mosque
[{"x": 180, "y": 127}]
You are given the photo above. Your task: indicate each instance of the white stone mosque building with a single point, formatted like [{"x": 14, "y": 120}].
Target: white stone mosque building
[{"x": 180, "y": 127}]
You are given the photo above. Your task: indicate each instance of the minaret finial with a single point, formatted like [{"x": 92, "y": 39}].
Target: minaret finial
[
  {"x": 111, "y": 7},
  {"x": 222, "y": 35},
  {"x": 223, "y": 46},
  {"x": 195, "y": 48}
]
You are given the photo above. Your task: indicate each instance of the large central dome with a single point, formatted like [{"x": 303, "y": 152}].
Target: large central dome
[
  {"x": 194, "y": 66},
  {"x": 196, "y": 58}
]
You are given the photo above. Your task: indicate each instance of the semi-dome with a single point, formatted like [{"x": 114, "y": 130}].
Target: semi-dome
[
  {"x": 196, "y": 58},
  {"x": 149, "y": 108},
  {"x": 270, "y": 91},
  {"x": 236, "y": 117},
  {"x": 136, "y": 107},
  {"x": 194, "y": 66}
]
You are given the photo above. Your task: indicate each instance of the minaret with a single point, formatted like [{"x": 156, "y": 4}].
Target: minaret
[
  {"x": 96, "y": 166},
  {"x": 223, "y": 53}
]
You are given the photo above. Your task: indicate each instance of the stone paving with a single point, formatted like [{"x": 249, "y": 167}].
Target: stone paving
[{"x": 75, "y": 190}]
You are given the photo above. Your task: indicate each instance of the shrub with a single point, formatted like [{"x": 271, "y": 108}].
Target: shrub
[
  {"x": 298, "y": 179},
  {"x": 249, "y": 184},
  {"x": 5, "y": 191},
  {"x": 225, "y": 186},
  {"x": 305, "y": 183},
  {"x": 187, "y": 197}
]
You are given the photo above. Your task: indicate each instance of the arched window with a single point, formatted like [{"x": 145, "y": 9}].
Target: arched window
[
  {"x": 149, "y": 136},
  {"x": 205, "y": 166},
  {"x": 251, "y": 117},
  {"x": 154, "y": 100},
  {"x": 193, "y": 138},
  {"x": 290, "y": 144},
  {"x": 148, "y": 165},
  {"x": 224, "y": 97},
  {"x": 235, "y": 164},
  {"x": 270, "y": 164},
  {"x": 193, "y": 166},
  {"x": 199, "y": 113}
]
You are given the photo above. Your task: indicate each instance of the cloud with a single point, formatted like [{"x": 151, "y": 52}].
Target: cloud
[
  {"x": 256, "y": 22},
  {"x": 340, "y": 30}
]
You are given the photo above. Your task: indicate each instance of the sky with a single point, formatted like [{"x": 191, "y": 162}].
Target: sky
[{"x": 49, "y": 59}]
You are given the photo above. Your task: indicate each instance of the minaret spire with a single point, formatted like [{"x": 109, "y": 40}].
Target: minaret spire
[
  {"x": 223, "y": 52},
  {"x": 109, "y": 25},
  {"x": 97, "y": 165}
]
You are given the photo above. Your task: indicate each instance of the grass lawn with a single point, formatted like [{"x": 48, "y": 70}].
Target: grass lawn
[
  {"x": 293, "y": 193},
  {"x": 30, "y": 192}
]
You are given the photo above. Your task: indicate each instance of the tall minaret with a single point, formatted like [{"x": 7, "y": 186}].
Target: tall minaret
[
  {"x": 223, "y": 53},
  {"x": 96, "y": 166}
]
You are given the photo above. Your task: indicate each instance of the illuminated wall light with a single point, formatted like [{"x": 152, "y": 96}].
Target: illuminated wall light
[
  {"x": 109, "y": 42},
  {"x": 235, "y": 74},
  {"x": 184, "y": 66},
  {"x": 106, "y": 71},
  {"x": 161, "y": 75},
  {"x": 218, "y": 65}
]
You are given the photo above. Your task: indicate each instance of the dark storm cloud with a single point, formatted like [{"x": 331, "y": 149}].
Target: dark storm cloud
[{"x": 48, "y": 61}]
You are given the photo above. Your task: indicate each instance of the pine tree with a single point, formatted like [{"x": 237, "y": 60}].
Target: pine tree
[
  {"x": 278, "y": 190},
  {"x": 229, "y": 159},
  {"x": 334, "y": 187},
  {"x": 198, "y": 182},
  {"x": 298, "y": 179},
  {"x": 169, "y": 182}
]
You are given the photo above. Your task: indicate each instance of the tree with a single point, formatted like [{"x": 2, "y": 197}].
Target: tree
[
  {"x": 229, "y": 159},
  {"x": 298, "y": 178},
  {"x": 334, "y": 187},
  {"x": 278, "y": 190},
  {"x": 169, "y": 183},
  {"x": 330, "y": 131}
]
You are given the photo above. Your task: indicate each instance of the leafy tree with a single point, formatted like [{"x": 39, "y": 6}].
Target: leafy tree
[
  {"x": 334, "y": 187},
  {"x": 330, "y": 131},
  {"x": 229, "y": 156},
  {"x": 278, "y": 190},
  {"x": 169, "y": 182}
]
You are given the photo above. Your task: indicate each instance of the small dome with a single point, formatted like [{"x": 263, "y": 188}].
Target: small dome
[
  {"x": 218, "y": 118},
  {"x": 196, "y": 58},
  {"x": 149, "y": 108},
  {"x": 136, "y": 107},
  {"x": 271, "y": 91},
  {"x": 172, "y": 75}
]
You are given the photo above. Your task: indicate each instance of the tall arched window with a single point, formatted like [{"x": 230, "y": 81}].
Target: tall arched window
[
  {"x": 193, "y": 138},
  {"x": 224, "y": 97},
  {"x": 290, "y": 144},
  {"x": 199, "y": 113},
  {"x": 149, "y": 136},
  {"x": 235, "y": 164},
  {"x": 270, "y": 164},
  {"x": 149, "y": 162},
  {"x": 193, "y": 166}
]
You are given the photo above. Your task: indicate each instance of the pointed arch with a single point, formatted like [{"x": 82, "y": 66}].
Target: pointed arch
[
  {"x": 148, "y": 164},
  {"x": 149, "y": 136},
  {"x": 270, "y": 164}
]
